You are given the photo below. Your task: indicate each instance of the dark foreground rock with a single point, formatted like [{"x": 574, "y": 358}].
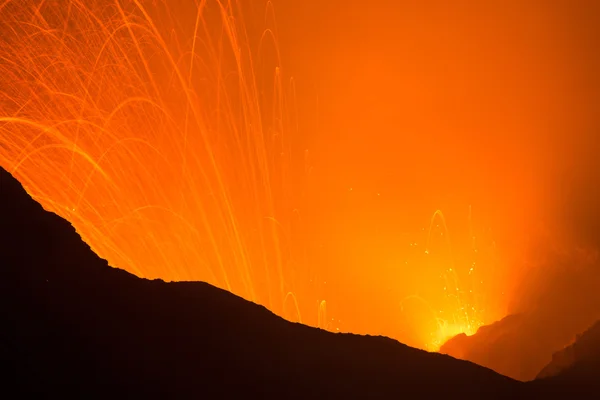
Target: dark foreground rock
[
  {"x": 75, "y": 326},
  {"x": 559, "y": 300}
]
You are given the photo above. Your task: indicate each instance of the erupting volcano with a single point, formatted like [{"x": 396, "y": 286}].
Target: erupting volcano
[
  {"x": 387, "y": 169},
  {"x": 155, "y": 129}
]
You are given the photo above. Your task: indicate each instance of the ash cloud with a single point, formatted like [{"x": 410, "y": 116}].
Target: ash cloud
[{"x": 562, "y": 271}]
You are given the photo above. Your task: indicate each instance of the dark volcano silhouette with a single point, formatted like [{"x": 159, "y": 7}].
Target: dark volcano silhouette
[
  {"x": 76, "y": 326},
  {"x": 559, "y": 300},
  {"x": 577, "y": 359},
  {"x": 576, "y": 366},
  {"x": 518, "y": 346}
]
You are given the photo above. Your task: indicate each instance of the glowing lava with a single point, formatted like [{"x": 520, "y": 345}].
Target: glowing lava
[
  {"x": 458, "y": 305},
  {"x": 162, "y": 131},
  {"x": 159, "y": 130}
]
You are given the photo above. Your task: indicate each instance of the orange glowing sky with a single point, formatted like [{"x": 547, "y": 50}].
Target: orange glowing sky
[
  {"x": 419, "y": 106},
  {"x": 398, "y": 109}
]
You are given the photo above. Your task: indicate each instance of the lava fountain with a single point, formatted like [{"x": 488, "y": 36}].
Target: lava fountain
[
  {"x": 160, "y": 131},
  {"x": 164, "y": 132},
  {"x": 458, "y": 298}
]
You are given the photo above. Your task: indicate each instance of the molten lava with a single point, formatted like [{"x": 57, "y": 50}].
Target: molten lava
[{"x": 145, "y": 125}]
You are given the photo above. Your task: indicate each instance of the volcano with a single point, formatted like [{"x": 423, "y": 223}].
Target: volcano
[
  {"x": 76, "y": 326},
  {"x": 557, "y": 304}
]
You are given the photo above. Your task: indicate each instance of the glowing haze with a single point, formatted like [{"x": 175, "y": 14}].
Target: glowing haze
[{"x": 359, "y": 169}]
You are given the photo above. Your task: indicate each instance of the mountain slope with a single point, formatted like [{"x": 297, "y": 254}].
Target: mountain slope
[
  {"x": 558, "y": 300},
  {"x": 579, "y": 358},
  {"x": 79, "y": 327}
]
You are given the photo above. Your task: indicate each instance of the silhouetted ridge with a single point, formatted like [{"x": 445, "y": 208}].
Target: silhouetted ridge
[
  {"x": 79, "y": 327},
  {"x": 580, "y": 358},
  {"x": 559, "y": 299}
]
